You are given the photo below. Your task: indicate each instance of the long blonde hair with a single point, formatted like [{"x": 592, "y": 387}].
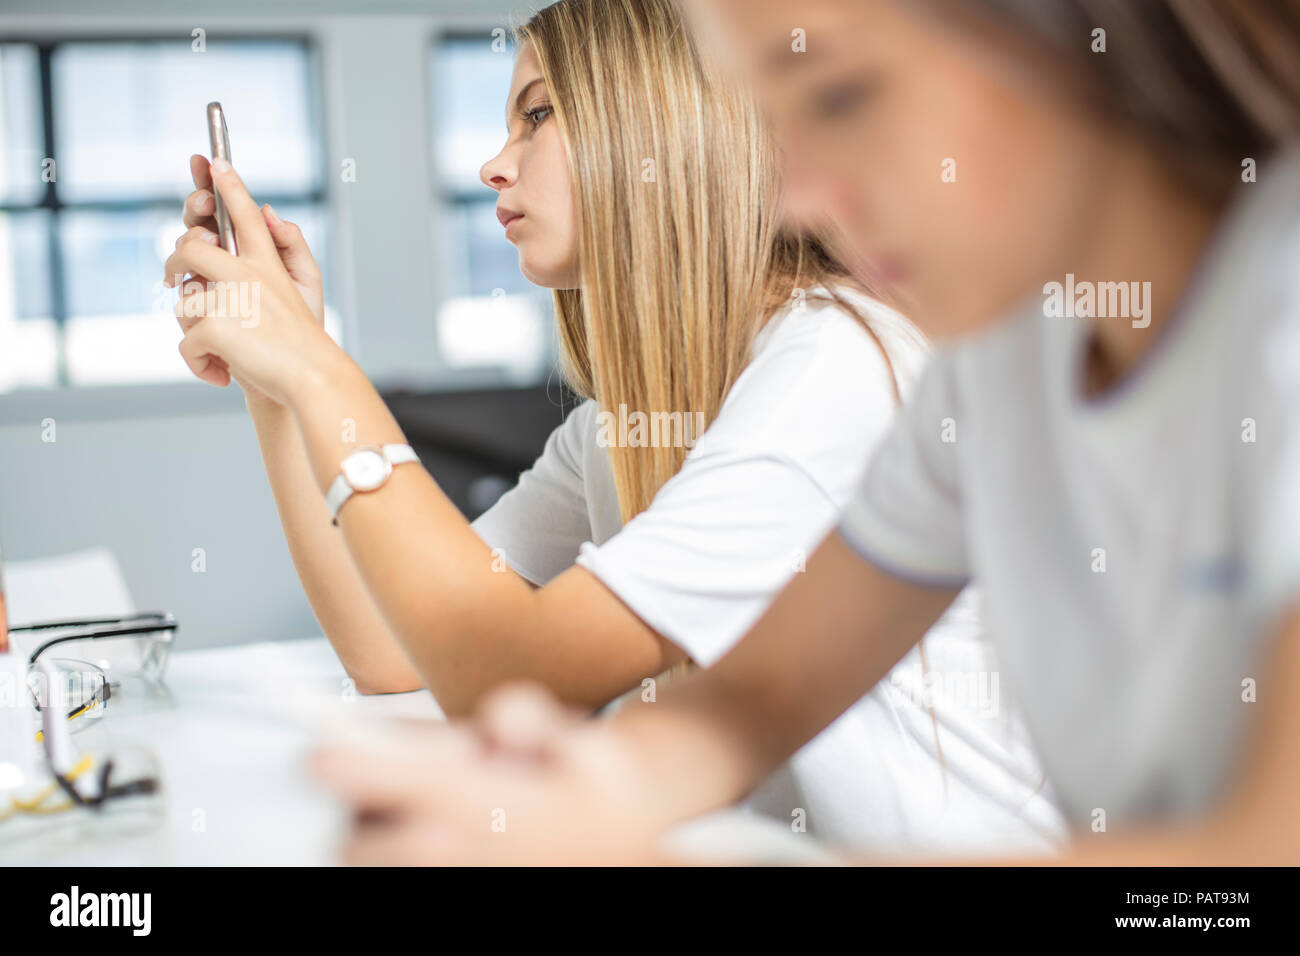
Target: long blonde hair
[
  {"x": 681, "y": 252},
  {"x": 681, "y": 255}
]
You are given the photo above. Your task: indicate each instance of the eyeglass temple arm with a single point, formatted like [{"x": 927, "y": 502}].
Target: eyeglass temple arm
[
  {"x": 164, "y": 619},
  {"x": 112, "y": 628}
]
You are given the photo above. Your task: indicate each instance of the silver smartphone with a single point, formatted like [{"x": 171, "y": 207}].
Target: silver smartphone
[{"x": 219, "y": 138}]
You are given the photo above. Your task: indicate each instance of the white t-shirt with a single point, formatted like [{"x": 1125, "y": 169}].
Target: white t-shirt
[
  {"x": 757, "y": 492},
  {"x": 1133, "y": 550}
]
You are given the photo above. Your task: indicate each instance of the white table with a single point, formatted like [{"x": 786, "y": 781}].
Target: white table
[
  {"x": 230, "y": 735},
  {"x": 231, "y": 757}
]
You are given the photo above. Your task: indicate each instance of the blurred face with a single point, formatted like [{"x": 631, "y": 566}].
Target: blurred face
[
  {"x": 956, "y": 186},
  {"x": 534, "y": 183}
]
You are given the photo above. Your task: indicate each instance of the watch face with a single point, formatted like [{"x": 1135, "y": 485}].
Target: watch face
[{"x": 365, "y": 470}]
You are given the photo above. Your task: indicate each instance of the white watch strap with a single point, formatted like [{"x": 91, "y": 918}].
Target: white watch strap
[
  {"x": 399, "y": 454},
  {"x": 340, "y": 491}
]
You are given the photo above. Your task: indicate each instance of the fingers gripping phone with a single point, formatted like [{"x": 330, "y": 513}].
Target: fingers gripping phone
[{"x": 219, "y": 139}]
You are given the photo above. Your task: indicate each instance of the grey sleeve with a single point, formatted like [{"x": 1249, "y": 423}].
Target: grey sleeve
[
  {"x": 906, "y": 517},
  {"x": 539, "y": 525}
]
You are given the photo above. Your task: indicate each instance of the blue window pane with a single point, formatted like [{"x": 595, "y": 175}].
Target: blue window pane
[
  {"x": 113, "y": 261},
  {"x": 128, "y": 115},
  {"x": 25, "y": 265},
  {"x": 20, "y": 125},
  {"x": 471, "y": 79},
  {"x": 28, "y": 335}
]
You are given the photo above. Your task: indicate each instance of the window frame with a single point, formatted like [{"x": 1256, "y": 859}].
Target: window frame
[
  {"x": 322, "y": 32},
  {"x": 451, "y": 199},
  {"x": 45, "y": 45}
]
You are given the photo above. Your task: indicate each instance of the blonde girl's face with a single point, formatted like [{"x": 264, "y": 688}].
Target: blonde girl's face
[
  {"x": 534, "y": 182},
  {"x": 953, "y": 182}
]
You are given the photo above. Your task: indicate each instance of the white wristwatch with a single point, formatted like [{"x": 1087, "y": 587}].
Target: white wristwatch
[{"x": 366, "y": 469}]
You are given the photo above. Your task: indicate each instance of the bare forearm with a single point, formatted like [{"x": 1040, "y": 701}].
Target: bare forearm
[
  {"x": 451, "y": 607},
  {"x": 343, "y": 606},
  {"x": 703, "y": 748},
  {"x": 700, "y": 746},
  {"x": 827, "y": 639}
]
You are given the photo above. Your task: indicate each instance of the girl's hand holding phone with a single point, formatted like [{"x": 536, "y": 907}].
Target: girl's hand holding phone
[
  {"x": 257, "y": 317},
  {"x": 200, "y": 208}
]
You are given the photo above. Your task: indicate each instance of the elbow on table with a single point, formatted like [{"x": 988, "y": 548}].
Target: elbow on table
[
  {"x": 369, "y": 683},
  {"x": 457, "y": 703}
]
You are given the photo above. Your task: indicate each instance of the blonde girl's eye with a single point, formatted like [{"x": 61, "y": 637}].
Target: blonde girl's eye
[{"x": 537, "y": 115}]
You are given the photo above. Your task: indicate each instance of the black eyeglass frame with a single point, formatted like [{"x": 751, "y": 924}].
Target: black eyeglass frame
[
  {"x": 107, "y": 791},
  {"x": 143, "y": 622}
]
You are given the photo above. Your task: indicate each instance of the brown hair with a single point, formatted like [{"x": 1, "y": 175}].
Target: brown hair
[{"x": 1207, "y": 82}]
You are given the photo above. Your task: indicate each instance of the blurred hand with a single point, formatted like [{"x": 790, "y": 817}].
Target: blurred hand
[
  {"x": 199, "y": 216},
  {"x": 528, "y": 783}
]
